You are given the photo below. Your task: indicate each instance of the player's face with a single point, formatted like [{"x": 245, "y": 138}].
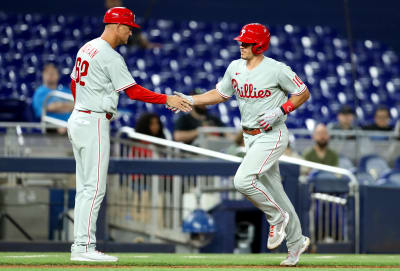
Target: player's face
[
  {"x": 245, "y": 50},
  {"x": 124, "y": 32}
]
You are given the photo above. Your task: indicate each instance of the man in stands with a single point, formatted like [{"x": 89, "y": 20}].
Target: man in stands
[{"x": 56, "y": 107}]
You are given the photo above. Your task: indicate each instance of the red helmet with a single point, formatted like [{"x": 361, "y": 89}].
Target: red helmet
[
  {"x": 255, "y": 33},
  {"x": 120, "y": 15}
]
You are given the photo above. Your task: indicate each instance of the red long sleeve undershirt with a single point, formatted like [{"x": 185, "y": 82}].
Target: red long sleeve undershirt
[
  {"x": 136, "y": 92},
  {"x": 73, "y": 88}
]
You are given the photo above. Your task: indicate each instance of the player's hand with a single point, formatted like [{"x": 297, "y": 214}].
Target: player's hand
[
  {"x": 173, "y": 109},
  {"x": 179, "y": 103},
  {"x": 267, "y": 119},
  {"x": 187, "y": 97}
]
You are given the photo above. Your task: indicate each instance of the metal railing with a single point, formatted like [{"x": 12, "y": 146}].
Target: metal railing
[
  {"x": 45, "y": 119},
  {"x": 162, "y": 201},
  {"x": 353, "y": 184}
]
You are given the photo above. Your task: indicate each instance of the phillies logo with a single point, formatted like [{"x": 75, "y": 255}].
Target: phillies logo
[
  {"x": 242, "y": 32},
  {"x": 248, "y": 91}
]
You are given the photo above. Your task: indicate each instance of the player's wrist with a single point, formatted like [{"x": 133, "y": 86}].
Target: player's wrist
[{"x": 287, "y": 107}]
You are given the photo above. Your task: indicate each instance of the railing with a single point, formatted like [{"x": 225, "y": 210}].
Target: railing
[
  {"x": 167, "y": 196},
  {"x": 47, "y": 119},
  {"x": 329, "y": 212},
  {"x": 353, "y": 184}
]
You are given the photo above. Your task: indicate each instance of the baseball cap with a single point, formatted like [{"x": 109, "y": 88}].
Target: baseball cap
[{"x": 346, "y": 109}]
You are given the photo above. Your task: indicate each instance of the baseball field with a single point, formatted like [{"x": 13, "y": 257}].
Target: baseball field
[{"x": 194, "y": 262}]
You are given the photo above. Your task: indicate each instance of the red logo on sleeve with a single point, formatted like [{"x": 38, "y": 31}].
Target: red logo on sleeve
[{"x": 297, "y": 81}]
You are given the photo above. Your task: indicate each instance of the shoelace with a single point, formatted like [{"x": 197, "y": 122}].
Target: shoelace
[{"x": 271, "y": 231}]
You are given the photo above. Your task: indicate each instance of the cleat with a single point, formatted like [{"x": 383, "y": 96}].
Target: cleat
[
  {"x": 92, "y": 256},
  {"x": 295, "y": 252},
  {"x": 277, "y": 233}
]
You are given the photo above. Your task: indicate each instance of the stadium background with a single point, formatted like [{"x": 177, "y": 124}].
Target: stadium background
[{"x": 370, "y": 20}]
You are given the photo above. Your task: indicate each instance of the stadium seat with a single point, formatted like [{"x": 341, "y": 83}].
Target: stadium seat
[
  {"x": 374, "y": 165},
  {"x": 192, "y": 48},
  {"x": 346, "y": 163},
  {"x": 391, "y": 178}
]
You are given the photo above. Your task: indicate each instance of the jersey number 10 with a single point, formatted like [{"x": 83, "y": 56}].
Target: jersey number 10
[{"x": 81, "y": 70}]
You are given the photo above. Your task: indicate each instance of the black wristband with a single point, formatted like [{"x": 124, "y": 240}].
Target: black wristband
[{"x": 283, "y": 110}]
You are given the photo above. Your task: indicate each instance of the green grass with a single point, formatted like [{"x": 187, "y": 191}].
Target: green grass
[{"x": 152, "y": 262}]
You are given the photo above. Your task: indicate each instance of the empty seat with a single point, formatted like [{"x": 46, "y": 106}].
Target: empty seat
[
  {"x": 374, "y": 165},
  {"x": 391, "y": 178},
  {"x": 345, "y": 162}
]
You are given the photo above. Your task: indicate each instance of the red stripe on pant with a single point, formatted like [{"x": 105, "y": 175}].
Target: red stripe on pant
[
  {"x": 97, "y": 185},
  {"x": 252, "y": 181}
]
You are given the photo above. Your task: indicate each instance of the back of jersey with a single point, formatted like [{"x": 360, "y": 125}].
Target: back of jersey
[{"x": 100, "y": 74}]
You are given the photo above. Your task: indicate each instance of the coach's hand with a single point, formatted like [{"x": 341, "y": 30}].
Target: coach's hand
[
  {"x": 178, "y": 103},
  {"x": 267, "y": 119},
  {"x": 173, "y": 109}
]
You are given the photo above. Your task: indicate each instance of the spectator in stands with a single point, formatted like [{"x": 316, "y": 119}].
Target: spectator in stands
[
  {"x": 56, "y": 107},
  {"x": 186, "y": 125},
  {"x": 320, "y": 152},
  {"x": 381, "y": 120},
  {"x": 345, "y": 119},
  {"x": 345, "y": 122},
  {"x": 148, "y": 124},
  {"x": 237, "y": 148},
  {"x": 137, "y": 36}
]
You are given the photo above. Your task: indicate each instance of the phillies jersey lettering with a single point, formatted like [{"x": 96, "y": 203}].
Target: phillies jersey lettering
[
  {"x": 100, "y": 74},
  {"x": 248, "y": 91},
  {"x": 263, "y": 88}
]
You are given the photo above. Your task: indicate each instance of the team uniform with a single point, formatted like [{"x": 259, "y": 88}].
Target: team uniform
[
  {"x": 263, "y": 88},
  {"x": 262, "y": 96},
  {"x": 99, "y": 77}
]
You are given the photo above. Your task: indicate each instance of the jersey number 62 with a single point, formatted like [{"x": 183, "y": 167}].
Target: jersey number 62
[{"x": 81, "y": 70}]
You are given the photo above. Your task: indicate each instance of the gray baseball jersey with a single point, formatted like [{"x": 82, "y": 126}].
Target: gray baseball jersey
[
  {"x": 263, "y": 88},
  {"x": 100, "y": 74}
]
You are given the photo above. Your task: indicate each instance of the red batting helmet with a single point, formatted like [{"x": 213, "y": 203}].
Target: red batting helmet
[
  {"x": 120, "y": 15},
  {"x": 255, "y": 33}
]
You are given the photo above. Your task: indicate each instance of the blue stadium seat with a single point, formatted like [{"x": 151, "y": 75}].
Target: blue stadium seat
[
  {"x": 374, "y": 165},
  {"x": 346, "y": 163},
  {"x": 391, "y": 178},
  {"x": 191, "y": 48}
]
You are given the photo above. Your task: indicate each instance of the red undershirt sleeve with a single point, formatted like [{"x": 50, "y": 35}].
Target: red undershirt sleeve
[
  {"x": 73, "y": 88},
  {"x": 137, "y": 92}
]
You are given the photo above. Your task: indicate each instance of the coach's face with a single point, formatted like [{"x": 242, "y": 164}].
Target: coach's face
[
  {"x": 245, "y": 50},
  {"x": 124, "y": 32}
]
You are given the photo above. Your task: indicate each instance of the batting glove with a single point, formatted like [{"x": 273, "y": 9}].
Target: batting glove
[
  {"x": 267, "y": 119},
  {"x": 187, "y": 97}
]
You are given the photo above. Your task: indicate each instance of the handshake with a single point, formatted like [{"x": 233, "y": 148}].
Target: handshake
[{"x": 179, "y": 102}]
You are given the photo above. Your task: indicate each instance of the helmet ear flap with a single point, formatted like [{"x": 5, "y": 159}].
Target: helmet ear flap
[{"x": 259, "y": 48}]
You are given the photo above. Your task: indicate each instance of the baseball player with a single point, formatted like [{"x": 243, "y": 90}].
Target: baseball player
[
  {"x": 99, "y": 77},
  {"x": 261, "y": 86}
]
